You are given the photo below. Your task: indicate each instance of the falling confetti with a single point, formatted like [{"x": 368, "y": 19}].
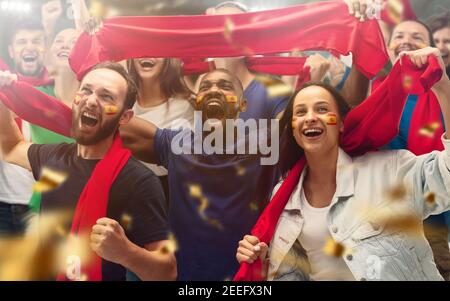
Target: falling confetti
[
  {"x": 195, "y": 191},
  {"x": 228, "y": 30},
  {"x": 279, "y": 90},
  {"x": 407, "y": 82},
  {"x": 254, "y": 206},
  {"x": 397, "y": 192},
  {"x": 333, "y": 248},
  {"x": 430, "y": 197},
  {"x": 111, "y": 110},
  {"x": 171, "y": 246},
  {"x": 126, "y": 221},
  {"x": 49, "y": 180},
  {"x": 240, "y": 171},
  {"x": 429, "y": 130}
]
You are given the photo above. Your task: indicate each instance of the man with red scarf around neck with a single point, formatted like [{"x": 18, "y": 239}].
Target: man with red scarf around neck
[{"x": 103, "y": 104}]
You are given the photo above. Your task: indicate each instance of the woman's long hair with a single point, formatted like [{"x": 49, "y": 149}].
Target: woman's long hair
[
  {"x": 290, "y": 151},
  {"x": 171, "y": 79}
]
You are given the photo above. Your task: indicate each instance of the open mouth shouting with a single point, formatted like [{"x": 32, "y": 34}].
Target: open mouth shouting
[
  {"x": 312, "y": 133},
  {"x": 89, "y": 119},
  {"x": 63, "y": 54},
  {"x": 214, "y": 106},
  {"x": 147, "y": 64},
  {"x": 30, "y": 58}
]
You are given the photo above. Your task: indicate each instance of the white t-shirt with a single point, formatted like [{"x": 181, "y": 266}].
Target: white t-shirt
[
  {"x": 15, "y": 184},
  {"x": 313, "y": 238},
  {"x": 175, "y": 113}
]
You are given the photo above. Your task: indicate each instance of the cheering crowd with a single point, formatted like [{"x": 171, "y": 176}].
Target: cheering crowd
[{"x": 234, "y": 145}]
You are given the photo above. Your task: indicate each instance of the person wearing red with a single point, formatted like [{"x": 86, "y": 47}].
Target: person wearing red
[{"x": 104, "y": 182}]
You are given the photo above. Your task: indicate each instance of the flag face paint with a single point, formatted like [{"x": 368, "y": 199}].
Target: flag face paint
[
  {"x": 77, "y": 99},
  {"x": 199, "y": 99},
  {"x": 111, "y": 110},
  {"x": 231, "y": 98},
  {"x": 331, "y": 119}
]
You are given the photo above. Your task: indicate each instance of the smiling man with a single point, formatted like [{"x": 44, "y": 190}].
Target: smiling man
[
  {"x": 213, "y": 194},
  {"x": 103, "y": 104}
]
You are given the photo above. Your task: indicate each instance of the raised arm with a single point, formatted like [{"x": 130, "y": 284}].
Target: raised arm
[
  {"x": 13, "y": 146},
  {"x": 139, "y": 136}
]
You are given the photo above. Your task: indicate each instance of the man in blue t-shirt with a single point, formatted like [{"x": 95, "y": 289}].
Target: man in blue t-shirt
[{"x": 216, "y": 189}]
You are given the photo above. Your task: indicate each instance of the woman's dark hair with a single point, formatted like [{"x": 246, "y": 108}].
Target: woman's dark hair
[
  {"x": 171, "y": 78},
  {"x": 290, "y": 151},
  {"x": 436, "y": 23}
]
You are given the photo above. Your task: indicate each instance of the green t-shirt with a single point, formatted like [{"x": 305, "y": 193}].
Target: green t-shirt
[{"x": 40, "y": 135}]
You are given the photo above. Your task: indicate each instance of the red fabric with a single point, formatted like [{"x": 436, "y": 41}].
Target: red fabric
[
  {"x": 367, "y": 127},
  {"x": 275, "y": 65},
  {"x": 93, "y": 202},
  {"x": 42, "y": 80},
  {"x": 317, "y": 26},
  {"x": 408, "y": 13},
  {"x": 37, "y": 108}
]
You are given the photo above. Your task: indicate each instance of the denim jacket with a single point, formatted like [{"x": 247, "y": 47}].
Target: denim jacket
[{"x": 372, "y": 252}]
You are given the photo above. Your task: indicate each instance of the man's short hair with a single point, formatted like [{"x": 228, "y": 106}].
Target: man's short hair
[
  {"x": 132, "y": 92},
  {"x": 439, "y": 22},
  {"x": 23, "y": 24}
]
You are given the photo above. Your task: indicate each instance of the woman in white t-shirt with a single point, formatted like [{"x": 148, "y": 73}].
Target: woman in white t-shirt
[
  {"x": 353, "y": 218},
  {"x": 163, "y": 98}
]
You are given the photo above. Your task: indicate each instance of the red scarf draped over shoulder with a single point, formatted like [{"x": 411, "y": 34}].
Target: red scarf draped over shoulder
[{"x": 367, "y": 127}]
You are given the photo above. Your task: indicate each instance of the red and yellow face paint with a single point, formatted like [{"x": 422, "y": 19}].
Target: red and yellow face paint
[
  {"x": 330, "y": 118},
  {"x": 294, "y": 123},
  {"x": 111, "y": 109},
  {"x": 78, "y": 98},
  {"x": 231, "y": 98}
]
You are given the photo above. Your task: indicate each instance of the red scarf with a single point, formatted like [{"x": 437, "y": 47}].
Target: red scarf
[
  {"x": 367, "y": 127},
  {"x": 318, "y": 26},
  {"x": 275, "y": 65},
  {"x": 42, "y": 80},
  {"x": 93, "y": 202}
]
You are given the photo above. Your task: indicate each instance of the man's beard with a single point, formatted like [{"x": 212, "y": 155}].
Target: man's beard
[
  {"x": 35, "y": 73},
  {"x": 103, "y": 132}
]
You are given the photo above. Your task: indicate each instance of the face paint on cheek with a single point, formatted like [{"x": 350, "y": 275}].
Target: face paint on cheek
[
  {"x": 231, "y": 98},
  {"x": 111, "y": 110},
  {"x": 421, "y": 45},
  {"x": 330, "y": 119},
  {"x": 78, "y": 98},
  {"x": 393, "y": 46}
]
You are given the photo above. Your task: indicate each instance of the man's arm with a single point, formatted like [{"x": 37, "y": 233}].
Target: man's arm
[
  {"x": 13, "y": 146},
  {"x": 138, "y": 135},
  {"x": 355, "y": 87},
  {"x": 109, "y": 241}
]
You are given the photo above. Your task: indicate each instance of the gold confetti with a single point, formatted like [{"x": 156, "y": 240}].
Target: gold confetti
[
  {"x": 430, "y": 197},
  {"x": 397, "y": 192},
  {"x": 333, "y": 248},
  {"x": 171, "y": 246},
  {"x": 195, "y": 191},
  {"x": 49, "y": 180},
  {"x": 126, "y": 220},
  {"x": 215, "y": 223},
  {"x": 279, "y": 90},
  {"x": 429, "y": 130},
  {"x": 240, "y": 171},
  {"x": 228, "y": 30},
  {"x": 202, "y": 207},
  {"x": 254, "y": 206}
]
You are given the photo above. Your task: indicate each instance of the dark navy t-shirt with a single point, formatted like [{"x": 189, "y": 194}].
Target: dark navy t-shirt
[
  {"x": 136, "y": 192},
  {"x": 212, "y": 206},
  {"x": 259, "y": 104}
]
